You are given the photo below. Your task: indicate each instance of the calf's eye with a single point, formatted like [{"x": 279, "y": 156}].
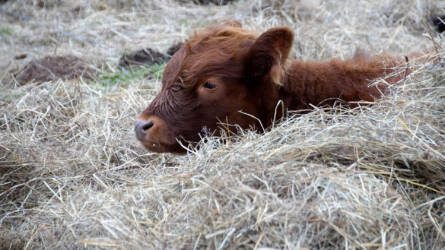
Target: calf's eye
[
  {"x": 176, "y": 87},
  {"x": 209, "y": 85}
]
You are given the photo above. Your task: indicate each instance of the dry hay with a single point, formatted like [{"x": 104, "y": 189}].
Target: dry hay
[{"x": 73, "y": 176}]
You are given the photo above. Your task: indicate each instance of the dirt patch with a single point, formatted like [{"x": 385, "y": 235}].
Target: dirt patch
[
  {"x": 206, "y": 2},
  {"x": 439, "y": 23},
  {"x": 148, "y": 56},
  {"x": 175, "y": 47},
  {"x": 51, "y": 68},
  {"x": 140, "y": 57}
]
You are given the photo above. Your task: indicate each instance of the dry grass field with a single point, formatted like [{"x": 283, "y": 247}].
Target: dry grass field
[{"x": 72, "y": 174}]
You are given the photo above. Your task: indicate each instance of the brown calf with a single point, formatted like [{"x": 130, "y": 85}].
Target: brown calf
[{"x": 225, "y": 72}]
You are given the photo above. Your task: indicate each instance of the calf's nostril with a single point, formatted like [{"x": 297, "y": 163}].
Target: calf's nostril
[
  {"x": 141, "y": 128},
  {"x": 147, "y": 125}
]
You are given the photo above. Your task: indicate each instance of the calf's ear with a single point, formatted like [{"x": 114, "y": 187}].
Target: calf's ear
[{"x": 267, "y": 55}]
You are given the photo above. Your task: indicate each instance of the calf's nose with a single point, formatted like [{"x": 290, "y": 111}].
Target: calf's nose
[{"x": 141, "y": 128}]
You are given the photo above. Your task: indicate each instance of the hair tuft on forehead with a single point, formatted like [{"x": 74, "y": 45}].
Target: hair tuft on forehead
[{"x": 216, "y": 49}]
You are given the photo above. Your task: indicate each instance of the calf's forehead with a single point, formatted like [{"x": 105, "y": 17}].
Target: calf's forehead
[
  {"x": 173, "y": 67},
  {"x": 212, "y": 53}
]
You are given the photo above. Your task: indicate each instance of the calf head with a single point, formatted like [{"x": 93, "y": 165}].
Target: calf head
[{"x": 221, "y": 76}]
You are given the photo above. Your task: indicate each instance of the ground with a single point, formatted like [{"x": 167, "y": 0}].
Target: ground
[{"x": 74, "y": 176}]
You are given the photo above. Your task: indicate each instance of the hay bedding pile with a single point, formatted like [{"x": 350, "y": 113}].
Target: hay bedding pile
[{"x": 72, "y": 175}]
